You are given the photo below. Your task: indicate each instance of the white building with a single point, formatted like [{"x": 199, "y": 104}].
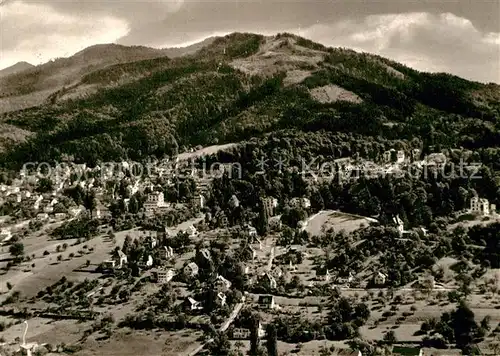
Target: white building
[
  {"x": 205, "y": 252},
  {"x": 388, "y": 156},
  {"x": 5, "y": 235},
  {"x": 42, "y": 216},
  {"x": 164, "y": 276},
  {"x": 482, "y": 206},
  {"x": 222, "y": 283},
  {"x": 191, "y": 231},
  {"x": 304, "y": 203},
  {"x": 169, "y": 252},
  {"x": 380, "y": 279},
  {"x": 221, "y": 299},
  {"x": 109, "y": 264},
  {"x": 328, "y": 276},
  {"x": 271, "y": 280},
  {"x": 191, "y": 269},
  {"x": 269, "y": 205},
  {"x": 193, "y": 304},
  {"x": 399, "y": 225},
  {"x": 234, "y": 201},
  {"x": 266, "y": 302},
  {"x": 154, "y": 201},
  {"x": 198, "y": 201},
  {"x": 60, "y": 216},
  {"x": 400, "y": 156},
  {"x": 252, "y": 231},
  {"x": 38, "y": 200},
  {"x": 122, "y": 258}
]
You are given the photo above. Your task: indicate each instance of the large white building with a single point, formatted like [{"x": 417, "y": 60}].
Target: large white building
[
  {"x": 154, "y": 201},
  {"x": 482, "y": 206},
  {"x": 164, "y": 276}
]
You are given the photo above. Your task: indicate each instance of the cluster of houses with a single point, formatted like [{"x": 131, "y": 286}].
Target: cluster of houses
[
  {"x": 393, "y": 162},
  {"x": 48, "y": 205}
]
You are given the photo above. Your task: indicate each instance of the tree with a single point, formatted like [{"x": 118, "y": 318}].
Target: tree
[
  {"x": 44, "y": 185},
  {"x": 220, "y": 346},
  {"x": 263, "y": 221},
  {"x": 16, "y": 250},
  {"x": 390, "y": 337},
  {"x": 254, "y": 336},
  {"x": 133, "y": 205},
  {"x": 90, "y": 201},
  {"x": 271, "y": 340},
  {"x": 464, "y": 326}
]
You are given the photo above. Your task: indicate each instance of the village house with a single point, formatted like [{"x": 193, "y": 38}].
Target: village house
[
  {"x": 164, "y": 276},
  {"x": 191, "y": 231},
  {"x": 277, "y": 272},
  {"x": 303, "y": 203},
  {"x": 75, "y": 211},
  {"x": 155, "y": 201},
  {"x": 327, "y": 276},
  {"x": 344, "y": 280},
  {"x": 270, "y": 281},
  {"x": 240, "y": 333},
  {"x": 191, "y": 269},
  {"x": 251, "y": 252},
  {"x": 243, "y": 332},
  {"x": 101, "y": 212},
  {"x": 5, "y": 235},
  {"x": 252, "y": 231},
  {"x": 109, "y": 264},
  {"x": 234, "y": 201},
  {"x": 122, "y": 258},
  {"x": 205, "y": 253},
  {"x": 192, "y": 305},
  {"x": 60, "y": 216},
  {"x": 221, "y": 299},
  {"x": 222, "y": 283},
  {"x": 42, "y": 216},
  {"x": 400, "y": 156},
  {"x": 388, "y": 155},
  {"x": 379, "y": 279},
  {"x": 149, "y": 262},
  {"x": 435, "y": 159},
  {"x": 169, "y": 252},
  {"x": 275, "y": 223},
  {"x": 266, "y": 302},
  {"x": 198, "y": 201},
  {"x": 269, "y": 205}
]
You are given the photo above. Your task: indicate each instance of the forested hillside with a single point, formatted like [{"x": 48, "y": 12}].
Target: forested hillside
[{"x": 243, "y": 86}]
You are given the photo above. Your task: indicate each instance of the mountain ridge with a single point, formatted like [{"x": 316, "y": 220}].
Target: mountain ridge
[
  {"x": 35, "y": 84},
  {"x": 15, "y": 68},
  {"x": 243, "y": 86}
]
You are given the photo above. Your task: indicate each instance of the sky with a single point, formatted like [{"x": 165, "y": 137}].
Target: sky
[{"x": 456, "y": 36}]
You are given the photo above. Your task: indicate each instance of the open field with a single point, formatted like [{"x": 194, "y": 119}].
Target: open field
[
  {"x": 324, "y": 220},
  {"x": 47, "y": 270},
  {"x": 133, "y": 343}
]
